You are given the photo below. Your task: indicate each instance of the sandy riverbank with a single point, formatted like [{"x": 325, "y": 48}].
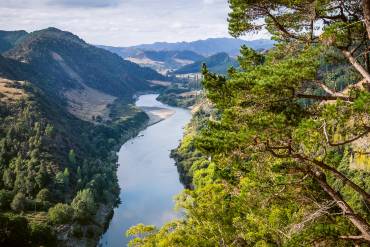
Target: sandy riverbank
[{"x": 157, "y": 114}]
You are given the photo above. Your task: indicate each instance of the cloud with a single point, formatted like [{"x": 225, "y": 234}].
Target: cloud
[
  {"x": 121, "y": 22},
  {"x": 85, "y": 3},
  {"x": 208, "y": 1}
]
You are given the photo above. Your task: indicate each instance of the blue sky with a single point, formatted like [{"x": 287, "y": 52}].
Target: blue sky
[{"x": 121, "y": 22}]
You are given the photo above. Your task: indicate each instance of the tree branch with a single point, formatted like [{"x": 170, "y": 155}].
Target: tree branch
[
  {"x": 356, "y": 65},
  {"x": 344, "y": 142},
  {"x": 323, "y": 98},
  {"x": 359, "y": 85},
  {"x": 337, "y": 174},
  {"x": 354, "y": 238},
  {"x": 281, "y": 27},
  {"x": 348, "y": 212}
]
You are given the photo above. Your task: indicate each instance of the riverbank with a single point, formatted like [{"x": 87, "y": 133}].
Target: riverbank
[
  {"x": 157, "y": 114},
  {"x": 89, "y": 234}
]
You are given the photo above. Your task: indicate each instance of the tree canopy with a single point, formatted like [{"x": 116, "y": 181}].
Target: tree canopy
[{"x": 288, "y": 148}]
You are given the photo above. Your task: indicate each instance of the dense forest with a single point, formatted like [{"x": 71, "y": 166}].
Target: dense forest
[{"x": 282, "y": 157}]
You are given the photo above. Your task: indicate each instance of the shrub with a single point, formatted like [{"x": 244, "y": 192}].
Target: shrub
[
  {"x": 60, "y": 214},
  {"x": 19, "y": 202},
  {"x": 43, "y": 195},
  {"x": 84, "y": 205}
]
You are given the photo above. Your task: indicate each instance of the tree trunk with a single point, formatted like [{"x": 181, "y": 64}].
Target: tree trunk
[
  {"x": 339, "y": 175},
  {"x": 348, "y": 212},
  {"x": 366, "y": 11},
  {"x": 367, "y": 59}
]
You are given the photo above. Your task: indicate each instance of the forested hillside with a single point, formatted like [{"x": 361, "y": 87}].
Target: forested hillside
[
  {"x": 283, "y": 157},
  {"x": 218, "y": 63},
  {"x": 65, "y": 108}
]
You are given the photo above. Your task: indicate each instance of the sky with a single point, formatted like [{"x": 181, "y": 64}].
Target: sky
[{"x": 121, "y": 22}]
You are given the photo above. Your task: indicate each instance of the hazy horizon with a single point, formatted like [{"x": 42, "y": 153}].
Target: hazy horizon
[{"x": 122, "y": 22}]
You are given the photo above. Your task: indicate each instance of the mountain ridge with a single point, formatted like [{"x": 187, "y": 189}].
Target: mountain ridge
[
  {"x": 204, "y": 47},
  {"x": 46, "y": 50}
]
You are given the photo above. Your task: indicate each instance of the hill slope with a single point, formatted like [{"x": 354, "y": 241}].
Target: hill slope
[
  {"x": 163, "y": 61},
  {"x": 9, "y": 39},
  {"x": 218, "y": 63},
  {"x": 88, "y": 78},
  {"x": 68, "y": 61}
]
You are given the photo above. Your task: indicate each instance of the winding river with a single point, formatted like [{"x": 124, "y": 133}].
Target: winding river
[{"x": 147, "y": 175}]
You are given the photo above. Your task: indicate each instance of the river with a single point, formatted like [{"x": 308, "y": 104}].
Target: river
[{"x": 148, "y": 177}]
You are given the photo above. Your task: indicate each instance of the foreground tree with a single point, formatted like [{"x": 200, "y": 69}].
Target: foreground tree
[{"x": 292, "y": 133}]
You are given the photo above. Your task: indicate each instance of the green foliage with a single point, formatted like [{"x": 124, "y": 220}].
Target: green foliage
[
  {"x": 77, "y": 231},
  {"x": 279, "y": 168},
  {"x": 71, "y": 158},
  {"x": 42, "y": 235},
  {"x": 43, "y": 195},
  {"x": 19, "y": 202},
  {"x": 6, "y": 198},
  {"x": 61, "y": 214},
  {"x": 84, "y": 205},
  {"x": 16, "y": 232}
]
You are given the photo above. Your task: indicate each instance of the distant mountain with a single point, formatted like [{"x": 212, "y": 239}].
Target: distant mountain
[
  {"x": 65, "y": 62},
  {"x": 9, "y": 39},
  {"x": 206, "y": 47},
  {"x": 218, "y": 63},
  {"x": 164, "y": 61},
  {"x": 164, "y": 56}
]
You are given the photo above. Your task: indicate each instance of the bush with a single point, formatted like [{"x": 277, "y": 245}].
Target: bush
[
  {"x": 61, "y": 214},
  {"x": 19, "y": 202},
  {"x": 84, "y": 205},
  {"x": 43, "y": 195}
]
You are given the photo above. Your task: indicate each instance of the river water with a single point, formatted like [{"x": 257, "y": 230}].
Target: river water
[{"x": 148, "y": 177}]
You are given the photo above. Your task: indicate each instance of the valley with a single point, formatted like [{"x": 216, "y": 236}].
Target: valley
[
  {"x": 73, "y": 106},
  {"x": 185, "y": 123}
]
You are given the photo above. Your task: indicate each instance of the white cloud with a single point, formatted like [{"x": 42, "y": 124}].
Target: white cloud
[
  {"x": 120, "y": 22},
  {"x": 85, "y": 3},
  {"x": 208, "y": 1}
]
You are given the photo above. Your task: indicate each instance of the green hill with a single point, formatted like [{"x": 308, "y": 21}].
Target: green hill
[
  {"x": 218, "y": 63},
  {"x": 64, "y": 61}
]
